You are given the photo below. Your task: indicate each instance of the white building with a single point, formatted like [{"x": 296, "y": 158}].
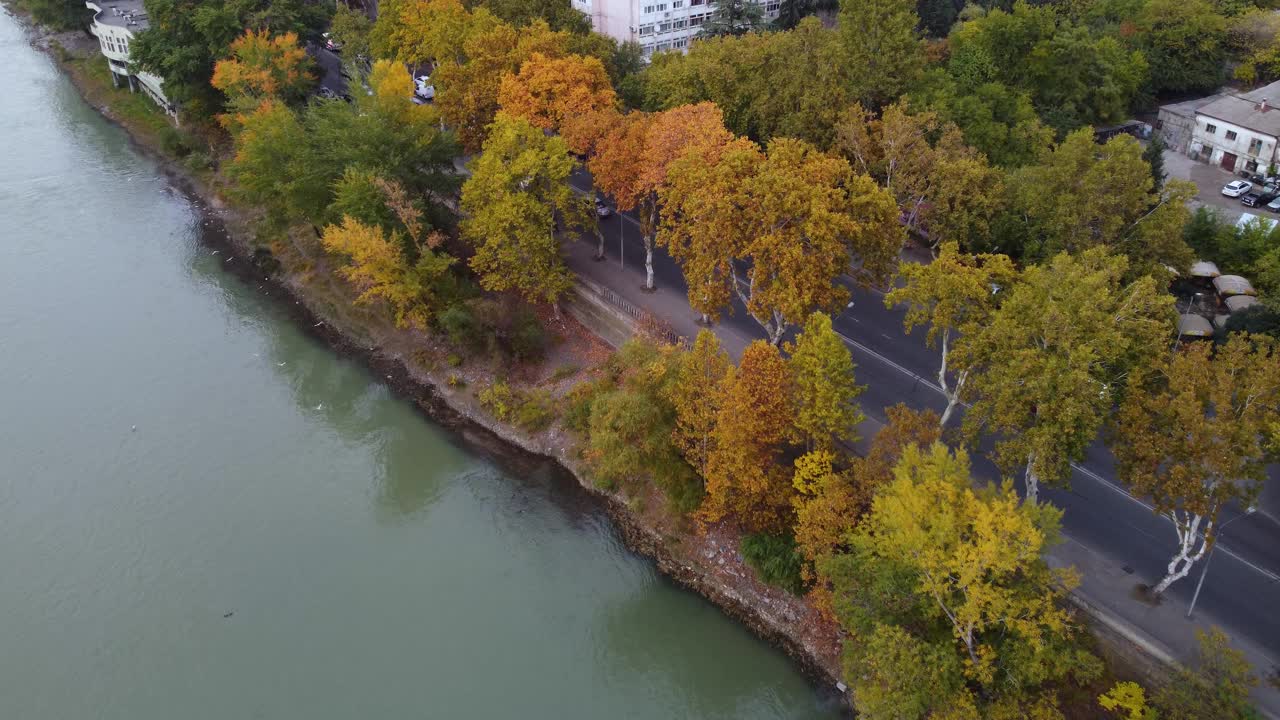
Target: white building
[
  {"x": 1238, "y": 132},
  {"x": 655, "y": 24},
  {"x": 115, "y": 23}
]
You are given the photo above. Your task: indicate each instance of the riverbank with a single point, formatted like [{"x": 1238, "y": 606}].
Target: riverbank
[{"x": 417, "y": 367}]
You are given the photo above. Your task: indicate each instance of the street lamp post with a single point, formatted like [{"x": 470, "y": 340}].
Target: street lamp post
[{"x": 1205, "y": 571}]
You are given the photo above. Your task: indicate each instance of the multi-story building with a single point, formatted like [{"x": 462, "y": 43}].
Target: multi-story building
[
  {"x": 1236, "y": 131},
  {"x": 655, "y": 24},
  {"x": 115, "y": 23}
]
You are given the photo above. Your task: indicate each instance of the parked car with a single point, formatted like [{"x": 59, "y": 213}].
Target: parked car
[
  {"x": 1274, "y": 205},
  {"x": 331, "y": 45},
  {"x": 425, "y": 89},
  {"x": 1258, "y": 198},
  {"x": 1236, "y": 188},
  {"x": 602, "y": 208}
]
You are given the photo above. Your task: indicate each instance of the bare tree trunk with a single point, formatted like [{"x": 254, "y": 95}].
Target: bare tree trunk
[
  {"x": 1188, "y": 554},
  {"x": 648, "y": 262},
  {"x": 600, "y": 240},
  {"x": 1032, "y": 481},
  {"x": 952, "y": 395}
]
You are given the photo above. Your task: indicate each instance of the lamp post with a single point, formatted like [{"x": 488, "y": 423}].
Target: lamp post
[{"x": 1221, "y": 529}]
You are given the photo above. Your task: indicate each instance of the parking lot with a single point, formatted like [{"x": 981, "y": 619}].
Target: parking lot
[{"x": 1209, "y": 180}]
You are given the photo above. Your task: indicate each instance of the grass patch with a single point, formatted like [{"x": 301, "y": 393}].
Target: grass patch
[{"x": 775, "y": 559}]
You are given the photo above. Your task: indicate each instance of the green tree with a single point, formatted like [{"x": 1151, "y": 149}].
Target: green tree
[
  {"x": 791, "y": 12},
  {"x": 1046, "y": 366},
  {"x": 266, "y": 150},
  {"x": 1103, "y": 195},
  {"x": 517, "y": 187},
  {"x": 352, "y": 27},
  {"x": 826, "y": 413},
  {"x": 1184, "y": 44},
  {"x": 57, "y": 14},
  {"x": 1078, "y": 78},
  {"x": 696, "y": 399},
  {"x": 954, "y": 578},
  {"x": 947, "y": 294},
  {"x": 995, "y": 119},
  {"x": 1193, "y": 437},
  {"x": 880, "y": 41},
  {"x": 733, "y": 17},
  {"x": 1217, "y": 686},
  {"x": 557, "y": 14}
]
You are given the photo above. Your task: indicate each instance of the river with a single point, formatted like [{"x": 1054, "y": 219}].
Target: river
[{"x": 206, "y": 514}]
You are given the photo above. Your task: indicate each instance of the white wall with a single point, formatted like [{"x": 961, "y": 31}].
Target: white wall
[
  {"x": 655, "y": 24},
  {"x": 1211, "y": 146}
]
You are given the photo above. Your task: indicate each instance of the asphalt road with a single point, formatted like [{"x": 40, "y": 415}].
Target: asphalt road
[{"x": 1242, "y": 591}]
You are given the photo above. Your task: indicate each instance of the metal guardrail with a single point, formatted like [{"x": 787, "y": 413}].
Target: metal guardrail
[{"x": 646, "y": 322}]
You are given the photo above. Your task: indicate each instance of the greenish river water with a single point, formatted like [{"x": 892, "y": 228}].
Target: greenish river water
[{"x": 279, "y": 537}]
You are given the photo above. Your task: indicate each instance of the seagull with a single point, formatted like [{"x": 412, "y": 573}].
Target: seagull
[
  {"x": 215, "y": 252},
  {"x": 280, "y": 364},
  {"x": 318, "y": 324},
  {"x": 321, "y": 405},
  {"x": 133, "y": 429},
  {"x": 227, "y": 615}
]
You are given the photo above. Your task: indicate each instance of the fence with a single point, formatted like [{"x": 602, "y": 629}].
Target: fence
[{"x": 646, "y": 322}]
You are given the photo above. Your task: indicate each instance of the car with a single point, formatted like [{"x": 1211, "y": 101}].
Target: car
[
  {"x": 330, "y": 44},
  {"x": 1274, "y": 205},
  {"x": 602, "y": 208},
  {"x": 1258, "y": 198},
  {"x": 425, "y": 89},
  {"x": 1236, "y": 188}
]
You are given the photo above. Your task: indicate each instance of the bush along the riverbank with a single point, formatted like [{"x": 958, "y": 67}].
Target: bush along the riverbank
[{"x": 888, "y": 573}]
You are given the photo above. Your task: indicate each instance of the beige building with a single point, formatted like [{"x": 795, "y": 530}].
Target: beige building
[{"x": 115, "y": 23}]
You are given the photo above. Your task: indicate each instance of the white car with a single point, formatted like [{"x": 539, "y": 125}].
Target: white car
[
  {"x": 1236, "y": 188},
  {"x": 425, "y": 89}
]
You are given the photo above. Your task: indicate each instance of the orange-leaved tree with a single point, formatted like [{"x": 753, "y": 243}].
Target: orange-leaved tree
[
  {"x": 261, "y": 66},
  {"x": 745, "y": 482},
  {"x": 547, "y": 90},
  {"x": 631, "y": 162}
]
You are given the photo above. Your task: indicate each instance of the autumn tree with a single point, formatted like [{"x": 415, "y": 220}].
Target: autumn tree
[
  {"x": 826, "y": 413},
  {"x": 948, "y": 597},
  {"x": 954, "y": 290},
  {"x": 1045, "y": 367},
  {"x": 1193, "y": 437},
  {"x": 830, "y": 500},
  {"x": 880, "y": 40},
  {"x": 518, "y": 186},
  {"x": 261, "y": 66},
  {"x": 1216, "y": 685},
  {"x": 378, "y": 268},
  {"x": 265, "y": 148},
  {"x": 421, "y": 31},
  {"x": 744, "y": 480},
  {"x": 351, "y": 27},
  {"x": 945, "y": 188},
  {"x": 632, "y": 161},
  {"x": 1103, "y": 195},
  {"x": 696, "y": 398},
  {"x": 776, "y": 229},
  {"x": 546, "y": 91},
  {"x": 733, "y": 17}
]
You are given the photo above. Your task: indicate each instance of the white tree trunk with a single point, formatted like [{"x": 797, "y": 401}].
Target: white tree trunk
[
  {"x": 952, "y": 394},
  {"x": 1032, "y": 481},
  {"x": 1191, "y": 548},
  {"x": 648, "y": 262}
]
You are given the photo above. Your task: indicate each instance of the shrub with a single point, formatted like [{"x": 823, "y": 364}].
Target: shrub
[
  {"x": 527, "y": 340},
  {"x": 577, "y": 411},
  {"x": 775, "y": 559},
  {"x": 534, "y": 411},
  {"x": 498, "y": 399},
  {"x": 454, "y": 360},
  {"x": 462, "y": 327},
  {"x": 173, "y": 142}
]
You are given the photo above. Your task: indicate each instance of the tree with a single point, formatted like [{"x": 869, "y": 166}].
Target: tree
[
  {"x": 947, "y": 294},
  {"x": 826, "y": 413},
  {"x": 944, "y": 187},
  {"x": 744, "y": 480},
  {"x": 1154, "y": 155},
  {"x": 1045, "y": 367},
  {"x": 467, "y": 91},
  {"x": 1193, "y": 437},
  {"x": 352, "y": 28},
  {"x": 791, "y": 12},
  {"x": 558, "y": 14},
  {"x": 57, "y": 14},
  {"x": 955, "y": 579},
  {"x": 185, "y": 38},
  {"x": 422, "y": 31},
  {"x": 1078, "y": 78},
  {"x": 262, "y": 66},
  {"x": 995, "y": 119},
  {"x": 266, "y": 147},
  {"x": 794, "y": 217},
  {"x": 733, "y": 17},
  {"x": 1127, "y": 701},
  {"x": 696, "y": 398},
  {"x": 1217, "y": 686},
  {"x": 518, "y": 186},
  {"x": 1103, "y": 196},
  {"x": 880, "y": 39},
  {"x": 378, "y": 269},
  {"x": 546, "y": 91},
  {"x": 1184, "y": 44},
  {"x": 631, "y": 162}
]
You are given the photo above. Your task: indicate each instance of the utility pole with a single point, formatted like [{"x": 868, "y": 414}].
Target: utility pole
[{"x": 1200, "y": 583}]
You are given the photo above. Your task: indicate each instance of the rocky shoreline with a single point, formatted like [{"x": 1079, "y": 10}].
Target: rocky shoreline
[{"x": 772, "y": 614}]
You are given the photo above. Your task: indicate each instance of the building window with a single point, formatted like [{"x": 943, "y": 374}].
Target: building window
[
  {"x": 655, "y": 8},
  {"x": 1231, "y": 134},
  {"x": 772, "y": 6},
  {"x": 1251, "y": 166},
  {"x": 696, "y": 20},
  {"x": 1255, "y": 146},
  {"x": 646, "y": 29},
  {"x": 696, "y": 2},
  {"x": 677, "y": 4},
  {"x": 664, "y": 27},
  {"x": 680, "y": 43},
  {"x": 679, "y": 24},
  {"x": 1211, "y": 128}
]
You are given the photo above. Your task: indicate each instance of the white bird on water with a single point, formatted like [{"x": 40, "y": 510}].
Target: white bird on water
[
  {"x": 280, "y": 364},
  {"x": 321, "y": 405}
]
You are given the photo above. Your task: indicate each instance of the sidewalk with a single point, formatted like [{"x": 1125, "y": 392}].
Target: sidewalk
[{"x": 1107, "y": 592}]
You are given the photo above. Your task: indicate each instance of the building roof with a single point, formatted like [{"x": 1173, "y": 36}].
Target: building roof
[
  {"x": 128, "y": 14},
  {"x": 1188, "y": 108},
  {"x": 1246, "y": 113},
  {"x": 1194, "y": 326},
  {"x": 1266, "y": 92},
  {"x": 1228, "y": 285},
  {"x": 1236, "y": 303}
]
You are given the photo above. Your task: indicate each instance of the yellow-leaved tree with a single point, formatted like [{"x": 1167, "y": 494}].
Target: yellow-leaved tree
[
  {"x": 547, "y": 90},
  {"x": 696, "y": 398},
  {"x": 262, "y": 66},
  {"x": 377, "y": 266},
  {"x": 826, "y": 413}
]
